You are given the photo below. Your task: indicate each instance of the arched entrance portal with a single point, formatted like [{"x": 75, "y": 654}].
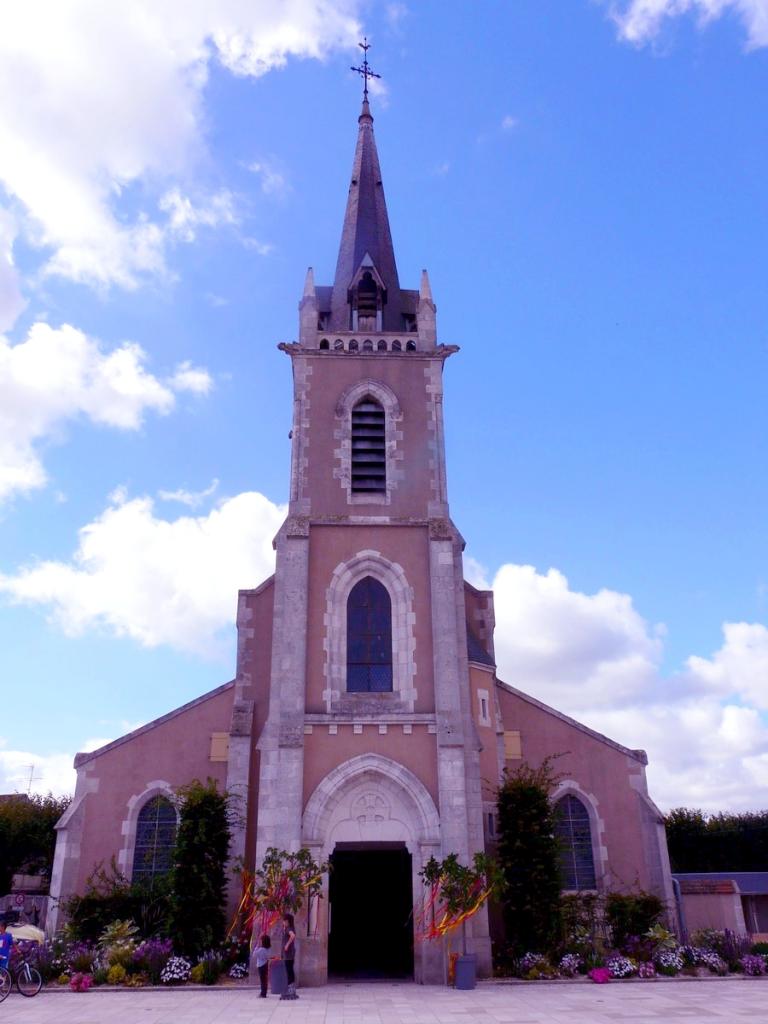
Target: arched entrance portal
[{"x": 377, "y": 824}]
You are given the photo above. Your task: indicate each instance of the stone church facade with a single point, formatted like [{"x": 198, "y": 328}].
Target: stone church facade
[{"x": 366, "y": 720}]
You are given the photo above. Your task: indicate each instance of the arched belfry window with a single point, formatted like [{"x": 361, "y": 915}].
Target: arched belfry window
[
  {"x": 369, "y": 449},
  {"x": 155, "y": 838},
  {"x": 367, "y": 303},
  {"x": 574, "y": 834},
  {"x": 369, "y": 638}
]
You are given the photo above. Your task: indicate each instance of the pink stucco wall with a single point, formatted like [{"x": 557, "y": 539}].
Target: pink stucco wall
[
  {"x": 323, "y": 752},
  {"x": 330, "y": 378},
  {"x": 175, "y": 751},
  {"x": 608, "y": 775},
  {"x": 407, "y": 546}
]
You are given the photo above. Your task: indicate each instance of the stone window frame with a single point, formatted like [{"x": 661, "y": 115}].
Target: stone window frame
[
  {"x": 158, "y": 787},
  {"x": 484, "y": 702},
  {"x": 392, "y": 576},
  {"x": 569, "y": 787},
  {"x": 393, "y": 437}
]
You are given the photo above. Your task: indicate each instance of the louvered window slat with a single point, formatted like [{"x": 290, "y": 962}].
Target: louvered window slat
[{"x": 369, "y": 449}]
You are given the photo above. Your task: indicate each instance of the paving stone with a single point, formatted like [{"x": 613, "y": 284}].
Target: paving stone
[{"x": 728, "y": 1000}]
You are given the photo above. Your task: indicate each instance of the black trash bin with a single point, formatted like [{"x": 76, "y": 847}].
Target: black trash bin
[
  {"x": 466, "y": 971},
  {"x": 278, "y": 978}
]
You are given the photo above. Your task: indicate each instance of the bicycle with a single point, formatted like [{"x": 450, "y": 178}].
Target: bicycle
[{"x": 28, "y": 979}]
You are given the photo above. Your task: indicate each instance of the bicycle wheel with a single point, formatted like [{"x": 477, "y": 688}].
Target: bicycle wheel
[
  {"x": 28, "y": 981},
  {"x": 5, "y": 984}
]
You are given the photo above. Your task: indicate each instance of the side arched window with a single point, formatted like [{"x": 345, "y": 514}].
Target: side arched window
[
  {"x": 574, "y": 834},
  {"x": 155, "y": 838},
  {"x": 369, "y": 638}
]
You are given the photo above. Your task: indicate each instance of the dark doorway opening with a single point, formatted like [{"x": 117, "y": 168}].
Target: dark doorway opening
[{"x": 371, "y": 911}]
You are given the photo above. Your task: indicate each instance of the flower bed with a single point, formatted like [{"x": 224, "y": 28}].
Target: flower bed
[{"x": 657, "y": 954}]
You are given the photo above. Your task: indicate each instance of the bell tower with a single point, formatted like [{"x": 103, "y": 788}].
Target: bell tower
[{"x": 369, "y": 701}]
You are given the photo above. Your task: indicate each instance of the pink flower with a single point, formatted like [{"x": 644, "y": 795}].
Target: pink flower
[
  {"x": 600, "y": 975},
  {"x": 80, "y": 982}
]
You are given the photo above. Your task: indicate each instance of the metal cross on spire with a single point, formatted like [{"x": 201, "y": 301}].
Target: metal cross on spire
[{"x": 365, "y": 69}]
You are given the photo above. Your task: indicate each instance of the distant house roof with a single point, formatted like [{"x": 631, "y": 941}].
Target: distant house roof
[
  {"x": 748, "y": 883},
  {"x": 7, "y": 797}
]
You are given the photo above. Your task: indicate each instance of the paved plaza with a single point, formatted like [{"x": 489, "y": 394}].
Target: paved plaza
[{"x": 360, "y": 1003}]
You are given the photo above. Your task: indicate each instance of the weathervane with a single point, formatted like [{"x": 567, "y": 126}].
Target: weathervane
[{"x": 365, "y": 70}]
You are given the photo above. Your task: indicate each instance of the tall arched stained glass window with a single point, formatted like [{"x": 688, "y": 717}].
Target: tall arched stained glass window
[
  {"x": 574, "y": 833},
  {"x": 369, "y": 638},
  {"x": 155, "y": 837}
]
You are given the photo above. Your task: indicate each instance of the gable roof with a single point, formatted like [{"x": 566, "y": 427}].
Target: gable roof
[
  {"x": 84, "y": 758},
  {"x": 636, "y": 755}
]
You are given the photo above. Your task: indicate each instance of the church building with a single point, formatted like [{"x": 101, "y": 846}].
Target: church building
[{"x": 366, "y": 720}]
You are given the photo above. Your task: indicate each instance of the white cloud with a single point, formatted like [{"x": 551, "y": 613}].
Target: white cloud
[
  {"x": 740, "y": 666},
  {"x": 508, "y": 122},
  {"x": 272, "y": 181},
  {"x": 476, "y": 573},
  {"x": 187, "y": 377},
  {"x": 104, "y": 102},
  {"x": 58, "y": 375},
  {"x": 184, "y": 217},
  {"x": 596, "y": 658},
  {"x": 11, "y": 299},
  {"x": 396, "y": 12},
  {"x": 567, "y": 648},
  {"x": 51, "y": 773},
  {"x": 639, "y": 21},
  {"x": 158, "y": 581},
  {"x": 192, "y": 499}
]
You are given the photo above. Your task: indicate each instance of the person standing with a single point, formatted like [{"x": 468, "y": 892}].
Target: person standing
[
  {"x": 261, "y": 959},
  {"x": 288, "y": 952},
  {"x": 6, "y": 941}
]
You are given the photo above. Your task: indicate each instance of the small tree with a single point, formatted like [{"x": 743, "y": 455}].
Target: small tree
[
  {"x": 198, "y": 877},
  {"x": 280, "y": 886},
  {"x": 528, "y": 859},
  {"x": 456, "y": 893},
  {"x": 27, "y": 835}
]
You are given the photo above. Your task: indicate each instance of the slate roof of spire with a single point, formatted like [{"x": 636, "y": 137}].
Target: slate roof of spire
[{"x": 366, "y": 231}]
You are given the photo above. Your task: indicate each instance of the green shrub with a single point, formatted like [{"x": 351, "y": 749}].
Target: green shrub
[
  {"x": 631, "y": 914},
  {"x": 528, "y": 859},
  {"x": 100, "y": 976},
  {"x": 198, "y": 881},
  {"x": 212, "y": 965},
  {"x": 759, "y": 949},
  {"x": 116, "y": 975}
]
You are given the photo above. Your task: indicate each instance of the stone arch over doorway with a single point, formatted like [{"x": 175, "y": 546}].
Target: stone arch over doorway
[{"x": 370, "y": 800}]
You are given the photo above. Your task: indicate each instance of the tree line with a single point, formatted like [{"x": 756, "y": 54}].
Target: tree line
[{"x": 717, "y": 842}]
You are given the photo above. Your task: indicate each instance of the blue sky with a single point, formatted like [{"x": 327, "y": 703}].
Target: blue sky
[{"x": 585, "y": 182}]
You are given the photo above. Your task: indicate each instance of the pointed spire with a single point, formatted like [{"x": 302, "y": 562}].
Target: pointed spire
[
  {"x": 425, "y": 288},
  {"x": 309, "y": 284},
  {"x": 366, "y": 231}
]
